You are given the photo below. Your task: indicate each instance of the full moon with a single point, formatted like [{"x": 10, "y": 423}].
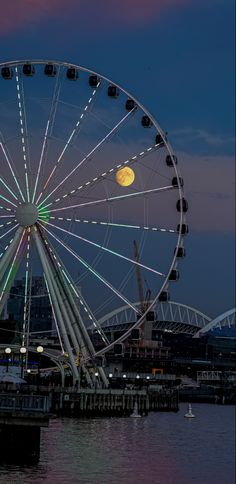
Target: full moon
[{"x": 125, "y": 176}]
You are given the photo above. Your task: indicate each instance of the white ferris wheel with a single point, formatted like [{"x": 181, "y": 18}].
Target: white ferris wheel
[{"x": 87, "y": 177}]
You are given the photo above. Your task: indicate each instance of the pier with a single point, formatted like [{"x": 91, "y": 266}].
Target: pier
[
  {"x": 21, "y": 417},
  {"x": 112, "y": 402}
]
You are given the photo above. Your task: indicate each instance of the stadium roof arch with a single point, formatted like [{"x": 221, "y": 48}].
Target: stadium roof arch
[
  {"x": 226, "y": 319},
  {"x": 169, "y": 316}
]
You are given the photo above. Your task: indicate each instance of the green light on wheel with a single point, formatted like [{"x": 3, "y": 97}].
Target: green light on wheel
[{"x": 44, "y": 214}]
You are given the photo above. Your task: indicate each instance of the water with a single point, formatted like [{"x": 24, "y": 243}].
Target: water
[{"x": 163, "y": 448}]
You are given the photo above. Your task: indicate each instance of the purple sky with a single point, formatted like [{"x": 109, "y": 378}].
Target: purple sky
[{"x": 176, "y": 57}]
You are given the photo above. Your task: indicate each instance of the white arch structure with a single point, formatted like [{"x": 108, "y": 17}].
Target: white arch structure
[
  {"x": 226, "y": 319},
  {"x": 170, "y": 315}
]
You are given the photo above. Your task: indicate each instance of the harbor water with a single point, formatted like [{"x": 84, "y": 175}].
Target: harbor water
[{"x": 162, "y": 448}]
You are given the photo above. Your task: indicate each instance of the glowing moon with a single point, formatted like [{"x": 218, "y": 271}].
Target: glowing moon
[{"x": 125, "y": 176}]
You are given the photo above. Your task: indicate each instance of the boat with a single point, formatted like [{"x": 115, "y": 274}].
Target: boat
[
  {"x": 135, "y": 413},
  {"x": 189, "y": 414}
]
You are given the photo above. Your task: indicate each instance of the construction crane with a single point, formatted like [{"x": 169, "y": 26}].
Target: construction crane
[{"x": 144, "y": 301}]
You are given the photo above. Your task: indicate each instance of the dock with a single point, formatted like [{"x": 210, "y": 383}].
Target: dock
[
  {"x": 21, "y": 418},
  {"x": 112, "y": 402}
]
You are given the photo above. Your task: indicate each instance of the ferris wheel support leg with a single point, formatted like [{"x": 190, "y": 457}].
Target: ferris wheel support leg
[
  {"x": 92, "y": 357},
  {"x": 80, "y": 328},
  {"x": 62, "y": 371},
  {"x": 87, "y": 342},
  {"x": 74, "y": 321},
  {"x": 83, "y": 349},
  {"x": 42, "y": 256},
  {"x": 66, "y": 311},
  {"x": 75, "y": 290},
  {"x": 5, "y": 268},
  {"x": 7, "y": 257}
]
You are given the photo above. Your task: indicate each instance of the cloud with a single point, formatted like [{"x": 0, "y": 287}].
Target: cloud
[
  {"x": 211, "y": 139},
  {"x": 16, "y": 14},
  {"x": 210, "y": 190}
]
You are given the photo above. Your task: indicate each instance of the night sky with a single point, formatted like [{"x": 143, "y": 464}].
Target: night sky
[{"x": 176, "y": 57}]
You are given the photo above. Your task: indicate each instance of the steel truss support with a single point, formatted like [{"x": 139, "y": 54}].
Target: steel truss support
[{"x": 72, "y": 329}]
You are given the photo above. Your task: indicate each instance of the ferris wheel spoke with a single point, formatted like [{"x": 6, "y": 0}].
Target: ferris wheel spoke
[
  {"x": 108, "y": 224},
  {"x": 4, "y": 249},
  {"x": 9, "y": 231},
  {"x": 74, "y": 133},
  {"x": 111, "y": 199},
  {"x": 7, "y": 209},
  {"x": 40, "y": 160},
  {"x": 3, "y": 226},
  {"x": 48, "y": 130},
  {"x": 5, "y": 184},
  {"x": 10, "y": 165},
  {"x": 99, "y": 178},
  {"x": 23, "y": 130},
  {"x": 114, "y": 253},
  {"x": 6, "y": 224},
  {"x": 26, "y": 292},
  {"x": 7, "y": 216},
  {"x": 8, "y": 201},
  {"x": 95, "y": 273},
  {"x": 90, "y": 154}
]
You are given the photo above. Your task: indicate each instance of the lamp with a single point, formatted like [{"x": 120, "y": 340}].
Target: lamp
[
  {"x": 23, "y": 351},
  {"x": 39, "y": 351},
  {"x": 8, "y": 352}
]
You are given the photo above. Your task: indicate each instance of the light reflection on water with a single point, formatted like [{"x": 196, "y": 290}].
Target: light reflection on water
[{"x": 163, "y": 448}]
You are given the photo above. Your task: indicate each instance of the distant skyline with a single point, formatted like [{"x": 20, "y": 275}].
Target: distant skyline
[{"x": 177, "y": 58}]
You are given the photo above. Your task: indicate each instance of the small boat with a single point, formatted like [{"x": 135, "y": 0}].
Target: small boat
[
  {"x": 135, "y": 413},
  {"x": 189, "y": 414}
]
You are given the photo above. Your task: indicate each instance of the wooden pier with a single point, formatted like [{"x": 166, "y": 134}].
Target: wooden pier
[
  {"x": 112, "y": 402},
  {"x": 21, "y": 417}
]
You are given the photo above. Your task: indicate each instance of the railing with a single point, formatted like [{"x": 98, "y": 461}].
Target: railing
[
  {"x": 142, "y": 376},
  {"x": 24, "y": 403}
]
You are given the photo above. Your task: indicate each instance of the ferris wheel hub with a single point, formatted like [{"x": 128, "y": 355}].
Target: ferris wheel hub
[{"x": 26, "y": 214}]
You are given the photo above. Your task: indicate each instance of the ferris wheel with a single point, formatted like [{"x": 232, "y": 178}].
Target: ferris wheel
[{"x": 87, "y": 176}]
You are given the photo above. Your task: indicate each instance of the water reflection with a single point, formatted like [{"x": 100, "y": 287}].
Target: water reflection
[{"x": 163, "y": 448}]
